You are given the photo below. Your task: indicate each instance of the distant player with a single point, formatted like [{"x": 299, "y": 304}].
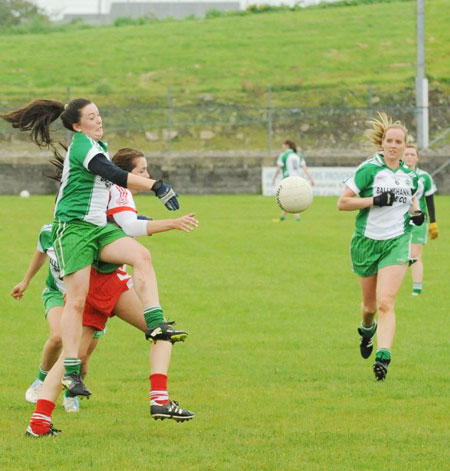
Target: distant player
[
  {"x": 420, "y": 233},
  {"x": 290, "y": 163},
  {"x": 382, "y": 189}
]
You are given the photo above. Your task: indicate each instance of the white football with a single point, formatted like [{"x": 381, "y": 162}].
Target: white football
[
  {"x": 24, "y": 194},
  {"x": 294, "y": 194}
]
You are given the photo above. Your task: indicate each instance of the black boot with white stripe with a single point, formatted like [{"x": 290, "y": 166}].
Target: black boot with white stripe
[{"x": 171, "y": 410}]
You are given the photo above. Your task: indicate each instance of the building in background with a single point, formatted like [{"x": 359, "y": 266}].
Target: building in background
[{"x": 106, "y": 11}]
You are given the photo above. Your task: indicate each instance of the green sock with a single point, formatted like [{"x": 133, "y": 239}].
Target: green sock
[
  {"x": 42, "y": 374},
  {"x": 370, "y": 330},
  {"x": 383, "y": 354},
  {"x": 153, "y": 316},
  {"x": 72, "y": 365},
  {"x": 417, "y": 288},
  {"x": 282, "y": 218}
]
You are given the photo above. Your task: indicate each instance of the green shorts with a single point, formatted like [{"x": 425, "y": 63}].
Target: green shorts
[
  {"x": 369, "y": 255},
  {"x": 420, "y": 234},
  {"x": 77, "y": 243},
  {"x": 51, "y": 298}
]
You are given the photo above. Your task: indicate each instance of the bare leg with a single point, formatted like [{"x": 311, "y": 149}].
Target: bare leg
[
  {"x": 369, "y": 300},
  {"x": 51, "y": 388},
  {"x": 389, "y": 281},
  {"x": 77, "y": 287},
  {"x": 417, "y": 267},
  {"x": 53, "y": 345},
  {"x": 85, "y": 359},
  {"x": 129, "y": 309},
  {"x": 127, "y": 250}
]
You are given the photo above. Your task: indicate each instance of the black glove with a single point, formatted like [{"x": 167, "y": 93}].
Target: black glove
[
  {"x": 384, "y": 199},
  {"x": 418, "y": 218},
  {"x": 166, "y": 194}
]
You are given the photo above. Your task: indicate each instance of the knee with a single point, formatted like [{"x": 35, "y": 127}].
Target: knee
[
  {"x": 143, "y": 259},
  {"x": 385, "y": 305},
  {"x": 55, "y": 341},
  {"x": 77, "y": 301}
]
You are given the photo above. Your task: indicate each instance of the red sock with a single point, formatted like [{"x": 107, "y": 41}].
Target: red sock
[
  {"x": 42, "y": 416},
  {"x": 158, "y": 392}
]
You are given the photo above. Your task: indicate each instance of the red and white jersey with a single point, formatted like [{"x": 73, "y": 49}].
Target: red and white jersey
[{"x": 120, "y": 199}]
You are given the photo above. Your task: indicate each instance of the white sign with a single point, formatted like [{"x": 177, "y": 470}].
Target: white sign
[{"x": 329, "y": 181}]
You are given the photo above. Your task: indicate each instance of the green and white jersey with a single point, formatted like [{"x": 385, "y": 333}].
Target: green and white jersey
[
  {"x": 374, "y": 177},
  {"x": 44, "y": 245},
  {"x": 426, "y": 188},
  {"x": 82, "y": 196},
  {"x": 290, "y": 163}
]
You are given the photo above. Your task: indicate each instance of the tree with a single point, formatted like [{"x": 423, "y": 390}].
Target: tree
[{"x": 15, "y": 12}]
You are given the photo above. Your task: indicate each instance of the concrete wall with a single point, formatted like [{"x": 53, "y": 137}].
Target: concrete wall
[{"x": 194, "y": 172}]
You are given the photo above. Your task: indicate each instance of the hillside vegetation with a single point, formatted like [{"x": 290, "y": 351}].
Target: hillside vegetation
[
  {"x": 315, "y": 56},
  {"x": 353, "y": 56}
]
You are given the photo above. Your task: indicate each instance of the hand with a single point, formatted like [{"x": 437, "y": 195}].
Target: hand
[
  {"x": 166, "y": 194},
  {"x": 418, "y": 218},
  {"x": 186, "y": 223},
  {"x": 17, "y": 291},
  {"x": 433, "y": 230},
  {"x": 384, "y": 199}
]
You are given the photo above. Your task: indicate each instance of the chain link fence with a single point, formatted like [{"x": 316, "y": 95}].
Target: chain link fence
[{"x": 213, "y": 126}]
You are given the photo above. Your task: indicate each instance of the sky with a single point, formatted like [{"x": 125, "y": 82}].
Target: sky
[{"x": 56, "y": 8}]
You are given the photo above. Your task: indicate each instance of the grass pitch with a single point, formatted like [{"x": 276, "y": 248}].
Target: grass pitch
[{"x": 271, "y": 367}]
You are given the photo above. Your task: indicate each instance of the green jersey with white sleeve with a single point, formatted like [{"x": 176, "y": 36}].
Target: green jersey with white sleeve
[
  {"x": 44, "y": 245},
  {"x": 290, "y": 163},
  {"x": 427, "y": 188},
  {"x": 83, "y": 196},
  {"x": 374, "y": 177}
]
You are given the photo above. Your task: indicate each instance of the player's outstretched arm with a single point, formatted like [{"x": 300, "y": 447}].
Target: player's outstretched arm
[
  {"x": 134, "y": 227},
  {"x": 185, "y": 223},
  {"x": 35, "y": 265}
]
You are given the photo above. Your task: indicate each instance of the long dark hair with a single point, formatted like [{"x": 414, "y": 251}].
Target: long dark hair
[
  {"x": 290, "y": 144},
  {"x": 37, "y": 117}
]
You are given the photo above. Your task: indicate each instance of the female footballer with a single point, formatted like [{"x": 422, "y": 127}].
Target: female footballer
[
  {"x": 426, "y": 202},
  {"x": 382, "y": 189},
  {"x": 80, "y": 229},
  {"x": 289, "y": 163}
]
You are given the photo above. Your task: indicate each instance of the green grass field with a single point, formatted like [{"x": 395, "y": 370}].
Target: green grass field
[
  {"x": 315, "y": 56},
  {"x": 271, "y": 367}
]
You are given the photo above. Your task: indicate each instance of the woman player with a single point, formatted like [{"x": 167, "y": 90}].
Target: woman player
[
  {"x": 80, "y": 229},
  {"x": 426, "y": 202},
  {"x": 289, "y": 163},
  {"x": 382, "y": 189}
]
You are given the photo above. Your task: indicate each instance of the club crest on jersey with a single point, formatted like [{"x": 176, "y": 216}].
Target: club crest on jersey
[{"x": 122, "y": 200}]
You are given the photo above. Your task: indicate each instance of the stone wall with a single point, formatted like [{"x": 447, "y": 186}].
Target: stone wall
[{"x": 196, "y": 173}]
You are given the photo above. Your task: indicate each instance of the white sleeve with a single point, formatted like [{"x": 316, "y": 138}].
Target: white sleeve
[
  {"x": 130, "y": 224},
  {"x": 279, "y": 161}
]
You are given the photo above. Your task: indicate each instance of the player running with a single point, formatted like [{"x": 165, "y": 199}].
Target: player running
[
  {"x": 289, "y": 163},
  {"x": 426, "y": 202},
  {"x": 382, "y": 189},
  {"x": 80, "y": 232}
]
